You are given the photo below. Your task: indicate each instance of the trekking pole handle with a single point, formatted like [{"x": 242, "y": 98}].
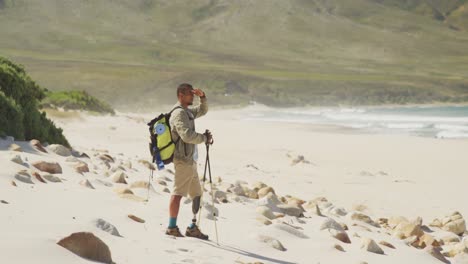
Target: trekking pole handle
[{"x": 209, "y": 137}]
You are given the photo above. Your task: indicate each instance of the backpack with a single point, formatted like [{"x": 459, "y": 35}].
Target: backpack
[{"x": 161, "y": 145}]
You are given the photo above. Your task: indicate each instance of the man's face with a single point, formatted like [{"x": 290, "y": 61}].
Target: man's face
[{"x": 186, "y": 97}]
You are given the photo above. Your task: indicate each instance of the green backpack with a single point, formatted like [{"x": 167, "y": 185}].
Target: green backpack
[{"x": 161, "y": 145}]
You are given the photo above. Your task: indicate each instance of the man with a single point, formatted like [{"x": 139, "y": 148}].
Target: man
[{"x": 185, "y": 156}]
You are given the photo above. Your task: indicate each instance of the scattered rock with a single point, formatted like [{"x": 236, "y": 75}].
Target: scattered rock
[
  {"x": 24, "y": 177},
  {"x": 384, "y": 243},
  {"x": 258, "y": 185},
  {"x": 107, "y": 227},
  {"x": 86, "y": 184},
  {"x": 424, "y": 241},
  {"x": 435, "y": 252},
  {"x": 370, "y": 245},
  {"x": 436, "y": 223},
  {"x": 454, "y": 223},
  {"x": 49, "y": 167},
  {"x": 123, "y": 191},
  {"x": 264, "y": 220},
  {"x": 81, "y": 167},
  {"x": 3, "y": 202},
  {"x": 166, "y": 190},
  {"x": 147, "y": 164},
  {"x": 136, "y": 219},
  {"x": 38, "y": 177},
  {"x": 274, "y": 243},
  {"x": 291, "y": 210},
  {"x": 104, "y": 183},
  {"x": 17, "y": 159},
  {"x": 363, "y": 218},
  {"x": 60, "y": 150},
  {"x": 409, "y": 229},
  {"x": 338, "y": 211},
  {"x": 161, "y": 182},
  {"x": 106, "y": 158},
  {"x": 88, "y": 246},
  {"x": 335, "y": 229},
  {"x": 454, "y": 250},
  {"x": 52, "y": 178},
  {"x": 220, "y": 196},
  {"x": 15, "y": 147},
  {"x": 317, "y": 210},
  {"x": 119, "y": 177},
  {"x": 266, "y": 212},
  {"x": 140, "y": 184},
  {"x": 13, "y": 183},
  {"x": 291, "y": 230},
  {"x": 264, "y": 191},
  {"x": 37, "y": 145},
  {"x": 339, "y": 247},
  {"x": 252, "y": 194}
]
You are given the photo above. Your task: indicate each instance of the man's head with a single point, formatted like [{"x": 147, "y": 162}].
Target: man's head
[{"x": 185, "y": 94}]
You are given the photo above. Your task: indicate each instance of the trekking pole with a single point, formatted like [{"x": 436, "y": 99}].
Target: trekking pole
[
  {"x": 212, "y": 198},
  {"x": 203, "y": 186}
]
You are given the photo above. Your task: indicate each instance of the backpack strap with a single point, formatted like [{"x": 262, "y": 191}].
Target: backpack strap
[{"x": 169, "y": 114}]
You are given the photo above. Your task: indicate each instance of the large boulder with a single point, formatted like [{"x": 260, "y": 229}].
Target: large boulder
[
  {"x": 454, "y": 223},
  {"x": 88, "y": 246},
  {"x": 37, "y": 145},
  {"x": 60, "y": 150},
  {"x": 50, "y": 167}
]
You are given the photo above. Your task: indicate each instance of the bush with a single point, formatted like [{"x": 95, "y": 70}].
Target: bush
[
  {"x": 19, "y": 100},
  {"x": 76, "y": 100}
]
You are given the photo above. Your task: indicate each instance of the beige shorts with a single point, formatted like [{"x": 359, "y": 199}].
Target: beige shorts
[{"x": 186, "y": 180}]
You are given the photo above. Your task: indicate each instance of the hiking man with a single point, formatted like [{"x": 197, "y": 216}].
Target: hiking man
[{"x": 186, "y": 180}]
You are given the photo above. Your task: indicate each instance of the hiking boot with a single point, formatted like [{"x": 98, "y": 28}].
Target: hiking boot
[
  {"x": 173, "y": 232},
  {"x": 196, "y": 233}
]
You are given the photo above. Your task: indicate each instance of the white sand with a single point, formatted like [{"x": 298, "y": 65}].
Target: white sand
[{"x": 391, "y": 175}]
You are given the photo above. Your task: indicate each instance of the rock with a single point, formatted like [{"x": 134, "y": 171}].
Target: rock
[
  {"x": 409, "y": 229},
  {"x": 454, "y": 250},
  {"x": 103, "y": 183},
  {"x": 436, "y": 223},
  {"x": 344, "y": 226},
  {"x": 264, "y": 191},
  {"x": 263, "y": 220},
  {"x": 136, "y": 219},
  {"x": 147, "y": 164},
  {"x": 454, "y": 223},
  {"x": 123, "y": 191},
  {"x": 24, "y": 177},
  {"x": 335, "y": 229},
  {"x": 13, "y": 183},
  {"x": 81, "y": 167},
  {"x": 38, "y": 177},
  {"x": 363, "y": 218},
  {"x": 298, "y": 159},
  {"x": 119, "y": 177},
  {"x": 266, "y": 212},
  {"x": 252, "y": 194},
  {"x": 59, "y": 150},
  {"x": 161, "y": 182},
  {"x": 274, "y": 243},
  {"x": 237, "y": 190},
  {"x": 106, "y": 158},
  {"x": 317, "y": 211},
  {"x": 312, "y": 204},
  {"x": 220, "y": 196},
  {"x": 258, "y": 185},
  {"x": 291, "y": 210},
  {"x": 338, "y": 211},
  {"x": 384, "y": 243},
  {"x": 49, "y": 167},
  {"x": 86, "y": 184},
  {"x": 128, "y": 164},
  {"x": 338, "y": 247},
  {"x": 15, "y": 147},
  {"x": 292, "y": 230},
  {"x": 447, "y": 238},
  {"x": 424, "y": 241},
  {"x": 395, "y": 221},
  {"x": 359, "y": 207},
  {"x": 88, "y": 246},
  {"x": 52, "y": 178},
  {"x": 3, "y": 202},
  {"x": 107, "y": 227},
  {"x": 139, "y": 184},
  {"x": 37, "y": 145},
  {"x": 370, "y": 245},
  {"x": 17, "y": 159},
  {"x": 166, "y": 190},
  {"x": 435, "y": 252}
]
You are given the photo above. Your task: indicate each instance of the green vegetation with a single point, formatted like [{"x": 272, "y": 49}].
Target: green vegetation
[
  {"x": 19, "y": 114},
  {"x": 282, "y": 53},
  {"x": 75, "y": 100}
]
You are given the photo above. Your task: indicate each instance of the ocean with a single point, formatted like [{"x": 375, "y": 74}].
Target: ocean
[{"x": 427, "y": 121}]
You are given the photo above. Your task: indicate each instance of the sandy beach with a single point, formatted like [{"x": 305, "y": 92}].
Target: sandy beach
[{"x": 366, "y": 181}]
